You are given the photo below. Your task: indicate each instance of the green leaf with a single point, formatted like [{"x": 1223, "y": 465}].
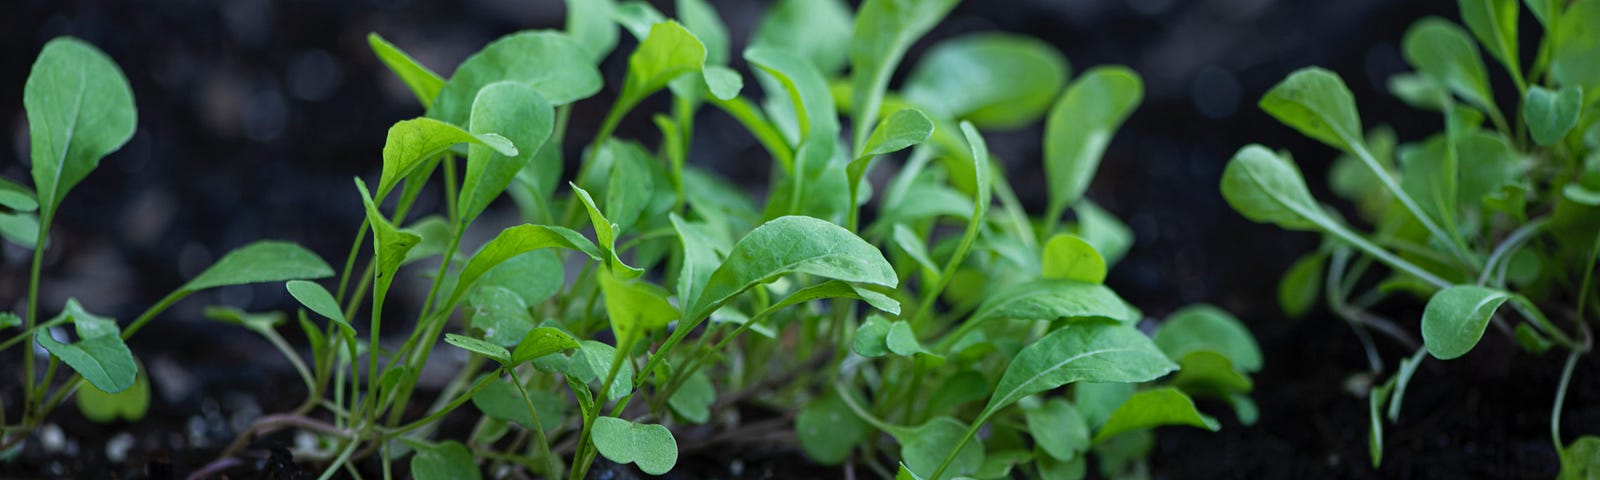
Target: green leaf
[
  {"x": 669, "y": 51},
  {"x": 1206, "y": 372},
  {"x": 1580, "y": 460},
  {"x": 903, "y": 341},
  {"x": 481, "y": 347},
  {"x": 515, "y": 241},
  {"x": 10, "y": 320},
  {"x": 1301, "y": 285},
  {"x": 1576, "y": 44},
  {"x": 1096, "y": 400},
  {"x": 634, "y": 307},
  {"x": 1541, "y": 9},
  {"x": 899, "y": 130},
  {"x": 534, "y": 276},
  {"x": 1550, "y": 115},
  {"x": 79, "y": 109},
  {"x": 994, "y": 80},
  {"x": 1053, "y": 299},
  {"x": 923, "y": 447},
  {"x": 630, "y": 188},
  {"x": 436, "y": 233},
  {"x": 315, "y": 298},
  {"x": 1089, "y": 352},
  {"x": 1267, "y": 188},
  {"x": 905, "y": 474},
  {"x": 1100, "y": 228},
  {"x": 20, "y": 228},
  {"x": 1375, "y": 399},
  {"x": 724, "y": 83},
  {"x": 500, "y": 399},
  {"x": 884, "y": 30},
  {"x": 693, "y": 400},
  {"x": 590, "y": 23},
  {"x": 1050, "y": 469},
  {"x": 872, "y": 337},
  {"x": 1444, "y": 52},
  {"x": 389, "y": 246},
  {"x": 794, "y": 244},
  {"x": 101, "y": 407},
  {"x": 701, "y": 250},
  {"x": 1402, "y": 379},
  {"x": 555, "y": 65},
  {"x": 540, "y": 342},
  {"x": 445, "y": 461},
  {"x": 702, "y": 20},
  {"x": 649, "y": 446},
  {"x": 1419, "y": 91},
  {"x": 958, "y": 390},
  {"x": 422, "y": 81},
  {"x": 1058, "y": 429},
  {"x": 1455, "y": 318},
  {"x": 1494, "y": 22},
  {"x": 261, "y": 262},
  {"x": 257, "y": 322},
  {"x": 605, "y": 233},
  {"x": 412, "y": 142},
  {"x": 1316, "y": 102},
  {"x": 1204, "y": 327},
  {"x": 1080, "y": 126},
  {"x": 592, "y": 362},
  {"x": 517, "y": 112},
  {"x": 1070, "y": 257},
  {"x": 16, "y": 197},
  {"x": 817, "y": 31},
  {"x": 836, "y": 289},
  {"x": 828, "y": 430},
  {"x": 807, "y": 90},
  {"x": 99, "y": 355},
  {"x": 1154, "y": 408},
  {"x": 500, "y": 313}
]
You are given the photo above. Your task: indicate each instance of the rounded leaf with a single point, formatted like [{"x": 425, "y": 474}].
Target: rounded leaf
[{"x": 1456, "y": 317}]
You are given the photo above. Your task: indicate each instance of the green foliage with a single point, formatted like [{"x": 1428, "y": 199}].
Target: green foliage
[
  {"x": 1492, "y": 211},
  {"x": 80, "y": 109},
  {"x": 584, "y": 332}
]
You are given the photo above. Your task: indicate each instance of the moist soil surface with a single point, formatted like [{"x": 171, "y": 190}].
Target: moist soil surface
[{"x": 255, "y": 114}]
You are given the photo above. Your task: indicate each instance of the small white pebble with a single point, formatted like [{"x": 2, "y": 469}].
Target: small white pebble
[
  {"x": 51, "y": 438},
  {"x": 117, "y": 447},
  {"x": 736, "y": 467}
]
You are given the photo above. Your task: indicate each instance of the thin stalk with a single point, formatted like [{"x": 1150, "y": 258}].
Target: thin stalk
[
  {"x": 552, "y": 468},
  {"x": 1375, "y": 251},
  {"x": 1561, "y": 396},
  {"x": 343, "y": 457},
  {"x": 32, "y": 317},
  {"x": 1512, "y": 242},
  {"x": 1388, "y": 181},
  {"x": 350, "y": 258},
  {"x": 294, "y": 358}
]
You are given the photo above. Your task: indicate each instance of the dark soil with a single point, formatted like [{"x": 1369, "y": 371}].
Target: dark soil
[{"x": 254, "y": 115}]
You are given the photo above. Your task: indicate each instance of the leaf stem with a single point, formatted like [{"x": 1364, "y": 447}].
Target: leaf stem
[
  {"x": 32, "y": 317},
  {"x": 1358, "y": 147},
  {"x": 553, "y": 469}
]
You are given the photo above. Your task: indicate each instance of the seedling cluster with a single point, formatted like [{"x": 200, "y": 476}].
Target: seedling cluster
[
  {"x": 1494, "y": 224},
  {"x": 945, "y": 332}
]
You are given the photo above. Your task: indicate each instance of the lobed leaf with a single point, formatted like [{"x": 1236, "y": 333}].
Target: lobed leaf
[
  {"x": 99, "y": 355},
  {"x": 1550, "y": 115},
  {"x": 649, "y": 446},
  {"x": 1208, "y": 328}
]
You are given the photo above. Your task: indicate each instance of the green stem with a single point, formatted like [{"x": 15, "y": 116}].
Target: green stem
[
  {"x": 440, "y": 413},
  {"x": 1561, "y": 397},
  {"x": 1375, "y": 251},
  {"x": 343, "y": 457},
  {"x": 32, "y": 318},
  {"x": 1358, "y": 147},
  {"x": 294, "y": 358},
  {"x": 553, "y": 469},
  {"x": 350, "y": 258}
]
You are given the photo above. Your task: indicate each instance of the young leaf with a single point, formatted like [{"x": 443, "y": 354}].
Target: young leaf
[
  {"x": 702, "y": 20},
  {"x": 412, "y": 142},
  {"x": 516, "y": 111},
  {"x": 99, "y": 355},
  {"x": 605, "y": 233},
  {"x": 79, "y": 109},
  {"x": 1080, "y": 126},
  {"x": 1301, "y": 285},
  {"x": 590, "y": 23},
  {"x": 515, "y": 241},
  {"x": 101, "y": 407},
  {"x": 1551, "y": 115},
  {"x": 669, "y": 51},
  {"x": 261, "y": 262},
  {"x": 649, "y": 446},
  {"x": 1110, "y": 237},
  {"x": 593, "y": 361},
  {"x": 540, "y": 342},
  {"x": 315, "y": 298},
  {"x": 899, "y": 130},
  {"x": 1096, "y": 400},
  {"x": 1455, "y": 318},
  {"x": 871, "y": 339},
  {"x": 828, "y": 430},
  {"x": 1444, "y": 52},
  {"x": 700, "y": 257},
  {"x": 534, "y": 276},
  {"x": 445, "y": 461},
  {"x": 693, "y": 400},
  {"x": 1207, "y": 372},
  {"x": 903, "y": 341},
  {"x": 816, "y": 31},
  {"x": 723, "y": 82},
  {"x": 807, "y": 89},
  {"x": 793, "y": 244},
  {"x": 993, "y": 80},
  {"x": 1581, "y": 459},
  {"x": 480, "y": 347},
  {"x": 500, "y": 313},
  {"x": 16, "y": 197},
  {"x": 500, "y": 399},
  {"x": 1052, "y": 299},
  {"x": 923, "y": 447},
  {"x": 836, "y": 289},
  {"x": 634, "y": 307},
  {"x": 1058, "y": 429},
  {"x": 10, "y": 320},
  {"x": 1267, "y": 188},
  {"x": 389, "y": 245},
  {"x": 1070, "y": 257},
  {"x": 1153, "y": 408},
  {"x": 1375, "y": 399},
  {"x": 1576, "y": 44},
  {"x": 884, "y": 30},
  {"x": 631, "y": 186},
  {"x": 1089, "y": 352},
  {"x": 1494, "y": 22},
  {"x": 562, "y": 73},
  {"x": 1318, "y": 104},
  {"x": 422, "y": 81},
  {"x": 1204, "y": 327}
]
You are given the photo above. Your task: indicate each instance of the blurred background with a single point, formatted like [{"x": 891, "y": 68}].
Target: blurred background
[{"x": 255, "y": 114}]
